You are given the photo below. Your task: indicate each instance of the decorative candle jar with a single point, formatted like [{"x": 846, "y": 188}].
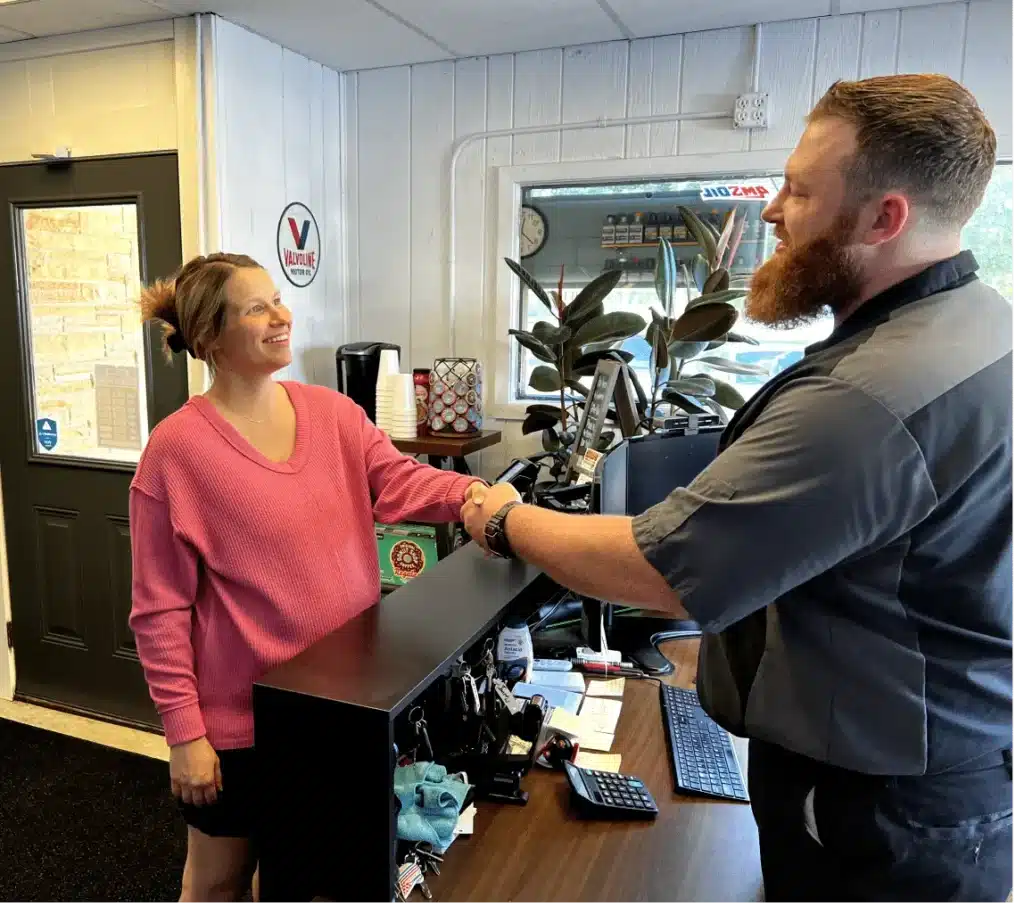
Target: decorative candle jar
[{"x": 455, "y": 401}]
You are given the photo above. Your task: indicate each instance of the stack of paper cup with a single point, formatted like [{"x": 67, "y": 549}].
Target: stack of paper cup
[
  {"x": 388, "y": 367},
  {"x": 403, "y": 407}
]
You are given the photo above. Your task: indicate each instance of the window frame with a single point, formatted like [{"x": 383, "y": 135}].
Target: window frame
[{"x": 512, "y": 181}]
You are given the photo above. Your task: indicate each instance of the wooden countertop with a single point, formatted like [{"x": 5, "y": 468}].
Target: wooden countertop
[
  {"x": 695, "y": 850},
  {"x": 448, "y": 446}
]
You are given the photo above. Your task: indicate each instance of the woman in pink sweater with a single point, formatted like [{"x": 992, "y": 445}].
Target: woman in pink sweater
[{"x": 252, "y": 534}]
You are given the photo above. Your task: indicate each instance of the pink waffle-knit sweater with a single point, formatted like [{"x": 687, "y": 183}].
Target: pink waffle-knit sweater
[{"x": 239, "y": 563}]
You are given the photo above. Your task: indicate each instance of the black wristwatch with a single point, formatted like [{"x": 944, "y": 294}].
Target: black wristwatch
[{"x": 494, "y": 532}]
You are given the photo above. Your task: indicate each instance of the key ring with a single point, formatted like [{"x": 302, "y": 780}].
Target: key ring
[{"x": 412, "y": 711}]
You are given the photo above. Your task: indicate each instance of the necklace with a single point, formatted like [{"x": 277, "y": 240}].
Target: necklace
[
  {"x": 255, "y": 421},
  {"x": 248, "y": 418}
]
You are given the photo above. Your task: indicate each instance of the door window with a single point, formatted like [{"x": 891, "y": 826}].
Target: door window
[{"x": 80, "y": 279}]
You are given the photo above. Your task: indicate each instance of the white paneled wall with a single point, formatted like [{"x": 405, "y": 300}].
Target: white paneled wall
[
  {"x": 402, "y": 124},
  {"x": 117, "y": 99},
  {"x": 277, "y": 139}
]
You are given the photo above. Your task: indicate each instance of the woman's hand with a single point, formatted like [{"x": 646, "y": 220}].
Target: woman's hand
[{"x": 195, "y": 772}]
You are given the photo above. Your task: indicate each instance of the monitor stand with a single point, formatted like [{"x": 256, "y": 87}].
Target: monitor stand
[{"x": 635, "y": 635}]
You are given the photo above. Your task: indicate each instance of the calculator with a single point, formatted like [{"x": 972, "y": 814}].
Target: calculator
[{"x": 601, "y": 794}]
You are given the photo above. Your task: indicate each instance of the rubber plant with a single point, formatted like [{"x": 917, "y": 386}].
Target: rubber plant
[
  {"x": 705, "y": 324},
  {"x": 579, "y": 335}
]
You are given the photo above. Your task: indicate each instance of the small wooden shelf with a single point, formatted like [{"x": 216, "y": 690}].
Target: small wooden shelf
[{"x": 454, "y": 445}]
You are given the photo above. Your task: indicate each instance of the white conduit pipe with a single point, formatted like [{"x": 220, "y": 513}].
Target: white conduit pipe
[
  {"x": 467, "y": 140},
  {"x": 755, "y": 73}
]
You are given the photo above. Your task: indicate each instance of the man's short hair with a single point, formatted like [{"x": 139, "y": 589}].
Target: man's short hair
[{"x": 921, "y": 134}]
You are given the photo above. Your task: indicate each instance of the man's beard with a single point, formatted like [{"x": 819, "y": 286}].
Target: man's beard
[{"x": 799, "y": 283}]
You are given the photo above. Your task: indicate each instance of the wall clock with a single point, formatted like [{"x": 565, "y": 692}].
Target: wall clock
[{"x": 533, "y": 231}]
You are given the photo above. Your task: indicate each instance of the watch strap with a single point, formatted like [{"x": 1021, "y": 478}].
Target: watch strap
[{"x": 494, "y": 531}]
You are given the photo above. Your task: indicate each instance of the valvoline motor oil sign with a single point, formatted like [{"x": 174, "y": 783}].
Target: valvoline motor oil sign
[{"x": 298, "y": 244}]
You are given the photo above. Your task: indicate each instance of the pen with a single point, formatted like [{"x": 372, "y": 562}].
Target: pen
[
  {"x": 600, "y": 664},
  {"x": 607, "y": 670}
]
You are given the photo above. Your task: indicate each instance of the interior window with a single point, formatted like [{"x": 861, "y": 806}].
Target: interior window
[{"x": 589, "y": 229}]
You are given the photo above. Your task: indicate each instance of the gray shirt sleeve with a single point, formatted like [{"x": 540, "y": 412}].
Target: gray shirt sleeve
[{"x": 826, "y": 471}]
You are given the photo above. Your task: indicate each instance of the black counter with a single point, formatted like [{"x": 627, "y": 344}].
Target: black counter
[{"x": 325, "y": 724}]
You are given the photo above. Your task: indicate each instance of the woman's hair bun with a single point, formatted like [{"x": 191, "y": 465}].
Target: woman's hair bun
[{"x": 158, "y": 301}]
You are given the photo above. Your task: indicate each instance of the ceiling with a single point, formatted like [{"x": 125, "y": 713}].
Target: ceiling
[{"x": 366, "y": 34}]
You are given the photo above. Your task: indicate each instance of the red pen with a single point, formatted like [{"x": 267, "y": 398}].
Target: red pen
[{"x": 599, "y": 669}]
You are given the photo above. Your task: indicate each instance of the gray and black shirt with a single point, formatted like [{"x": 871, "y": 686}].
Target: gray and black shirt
[{"x": 848, "y": 551}]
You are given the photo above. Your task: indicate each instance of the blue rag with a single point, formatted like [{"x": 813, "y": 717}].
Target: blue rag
[{"x": 431, "y": 800}]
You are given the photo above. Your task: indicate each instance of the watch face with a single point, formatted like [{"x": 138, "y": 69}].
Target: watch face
[{"x": 533, "y": 231}]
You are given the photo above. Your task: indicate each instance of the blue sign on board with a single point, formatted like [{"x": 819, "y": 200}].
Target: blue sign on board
[{"x": 46, "y": 431}]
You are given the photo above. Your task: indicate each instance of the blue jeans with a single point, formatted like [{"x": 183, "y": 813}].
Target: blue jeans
[{"x": 939, "y": 837}]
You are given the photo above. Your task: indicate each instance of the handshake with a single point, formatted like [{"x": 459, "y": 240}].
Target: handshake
[{"x": 481, "y": 503}]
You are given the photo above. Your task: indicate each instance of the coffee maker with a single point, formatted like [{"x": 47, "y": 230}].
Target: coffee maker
[{"x": 357, "y": 372}]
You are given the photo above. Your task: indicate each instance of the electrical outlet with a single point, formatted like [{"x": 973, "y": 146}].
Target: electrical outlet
[{"x": 751, "y": 111}]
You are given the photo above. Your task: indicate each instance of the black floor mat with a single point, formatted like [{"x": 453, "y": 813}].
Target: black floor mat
[{"x": 79, "y": 821}]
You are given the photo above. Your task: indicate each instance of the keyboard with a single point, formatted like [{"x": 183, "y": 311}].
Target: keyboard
[{"x": 703, "y": 758}]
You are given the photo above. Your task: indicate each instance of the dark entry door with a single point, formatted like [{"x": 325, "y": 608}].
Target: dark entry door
[{"x": 81, "y": 385}]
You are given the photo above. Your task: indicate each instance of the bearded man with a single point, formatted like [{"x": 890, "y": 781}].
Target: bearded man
[{"x": 847, "y": 554}]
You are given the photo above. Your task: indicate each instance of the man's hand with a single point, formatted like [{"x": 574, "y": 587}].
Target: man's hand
[
  {"x": 483, "y": 502},
  {"x": 471, "y": 490}
]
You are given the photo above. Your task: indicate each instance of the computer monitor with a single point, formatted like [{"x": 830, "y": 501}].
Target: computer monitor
[
  {"x": 631, "y": 478},
  {"x": 642, "y": 471}
]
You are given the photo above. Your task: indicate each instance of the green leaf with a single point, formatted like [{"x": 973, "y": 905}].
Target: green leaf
[
  {"x": 684, "y": 351},
  {"x": 657, "y": 317},
  {"x": 549, "y": 440},
  {"x": 723, "y": 240},
  {"x": 731, "y": 367},
  {"x": 741, "y": 338},
  {"x": 665, "y": 275},
  {"x": 638, "y": 390},
  {"x": 661, "y": 358},
  {"x": 545, "y": 408},
  {"x": 531, "y": 283},
  {"x": 719, "y": 411},
  {"x": 616, "y": 325},
  {"x": 719, "y": 280},
  {"x": 573, "y": 384},
  {"x": 586, "y": 364},
  {"x": 595, "y": 312},
  {"x": 706, "y": 322},
  {"x": 604, "y": 346},
  {"x": 534, "y": 345},
  {"x": 701, "y": 269},
  {"x": 706, "y": 239},
  {"x": 684, "y": 403},
  {"x": 550, "y": 335},
  {"x": 724, "y": 295},
  {"x": 545, "y": 379},
  {"x": 727, "y": 395},
  {"x": 592, "y": 295},
  {"x": 651, "y": 334},
  {"x": 694, "y": 385},
  {"x": 539, "y": 421}
]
